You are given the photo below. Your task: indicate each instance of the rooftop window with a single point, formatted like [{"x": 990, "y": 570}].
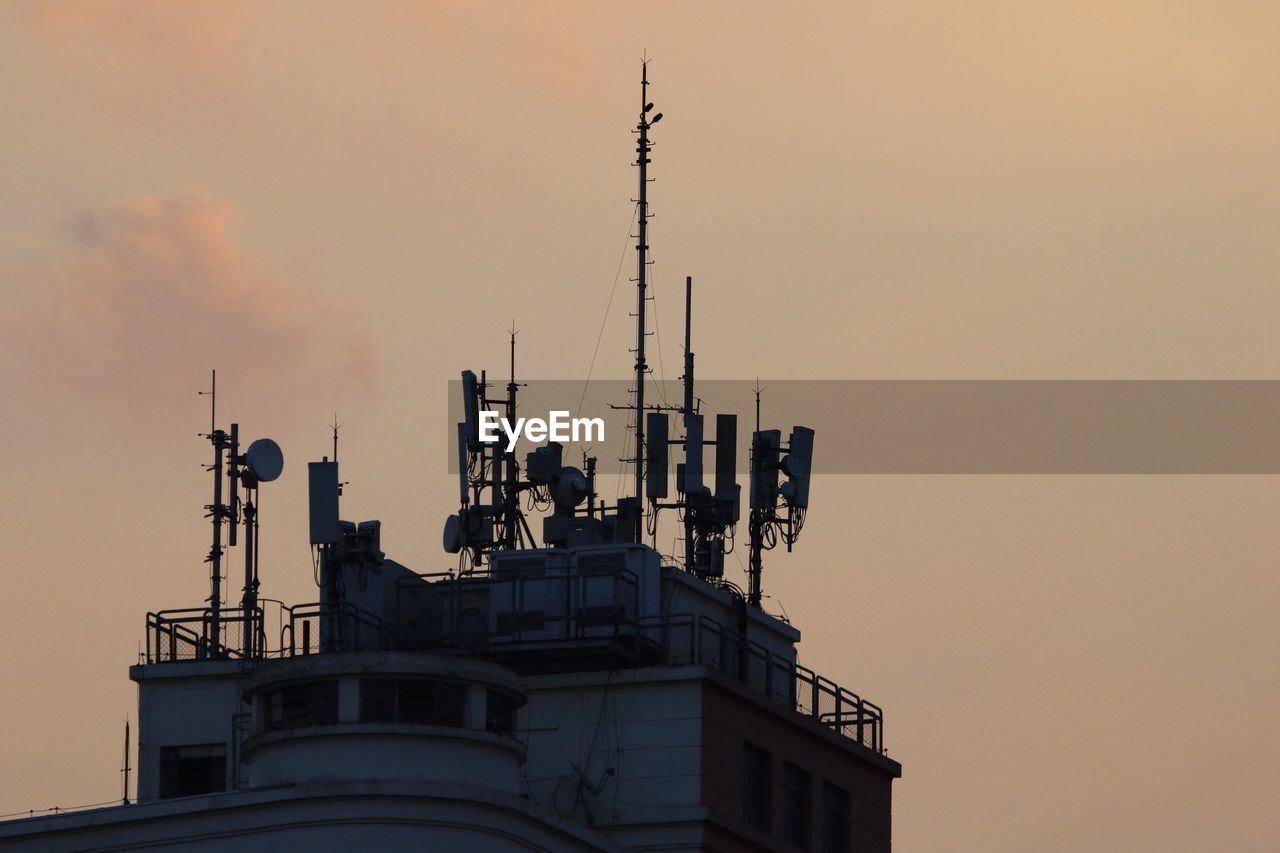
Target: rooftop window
[
  {"x": 414, "y": 701},
  {"x": 194, "y": 769},
  {"x": 796, "y": 805},
  {"x": 312, "y": 703},
  {"x": 756, "y": 780}
]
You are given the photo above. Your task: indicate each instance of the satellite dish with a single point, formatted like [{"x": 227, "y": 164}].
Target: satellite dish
[
  {"x": 570, "y": 488},
  {"x": 264, "y": 460},
  {"x": 453, "y": 538},
  {"x": 794, "y": 465}
]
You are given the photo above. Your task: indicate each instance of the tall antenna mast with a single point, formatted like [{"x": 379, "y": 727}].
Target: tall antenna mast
[
  {"x": 511, "y": 494},
  {"x": 642, "y": 268},
  {"x": 217, "y": 512},
  {"x": 688, "y": 401}
]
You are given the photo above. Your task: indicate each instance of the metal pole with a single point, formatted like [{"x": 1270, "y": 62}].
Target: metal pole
[
  {"x": 689, "y": 561},
  {"x": 247, "y": 603},
  {"x": 125, "y": 770},
  {"x": 756, "y": 563},
  {"x": 218, "y": 439},
  {"x": 642, "y": 262},
  {"x": 511, "y": 498}
]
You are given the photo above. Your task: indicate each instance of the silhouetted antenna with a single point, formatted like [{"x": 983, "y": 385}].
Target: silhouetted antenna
[
  {"x": 512, "y": 331},
  {"x": 643, "y": 148},
  {"x": 766, "y": 523},
  {"x": 758, "y": 389},
  {"x": 217, "y": 513},
  {"x": 512, "y": 519},
  {"x": 709, "y": 501},
  {"x": 124, "y": 769},
  {"x": 687, "y": 413},
  {"x": 335, "y": 426},
  {"x": 263, "y": 462}
]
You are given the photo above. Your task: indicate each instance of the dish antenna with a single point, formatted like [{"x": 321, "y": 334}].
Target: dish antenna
[{"x": 264, "y": 460}]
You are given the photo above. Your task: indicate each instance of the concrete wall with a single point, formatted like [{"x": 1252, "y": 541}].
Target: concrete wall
[
  {"x": 730, "y": 715},
  {"x": 183, "y": 704},
  {"x": 619, "y": 751}
]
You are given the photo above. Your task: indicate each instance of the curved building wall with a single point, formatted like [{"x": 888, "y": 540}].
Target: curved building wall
[{"x": 384, "y": 716}]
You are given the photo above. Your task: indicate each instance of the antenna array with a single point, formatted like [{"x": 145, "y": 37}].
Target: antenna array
[
  {"x": 261, "y": 463},
  {"x": 491, "y": 479}
]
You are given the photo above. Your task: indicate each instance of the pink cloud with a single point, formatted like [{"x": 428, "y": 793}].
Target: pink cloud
[{"x": 141, "y": 300}]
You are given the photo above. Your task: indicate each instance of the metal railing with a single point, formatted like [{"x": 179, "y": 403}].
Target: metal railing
[
  {"x": 521, "y": 606},
  {"x": 191, "y": 635},
  {"x": 685, "y": 640},
  {"x": 311, "y": 628},
  {"x": 485, "y": 614}
]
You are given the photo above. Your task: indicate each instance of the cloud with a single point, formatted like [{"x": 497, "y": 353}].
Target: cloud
[{"x": 137, "y": 302}]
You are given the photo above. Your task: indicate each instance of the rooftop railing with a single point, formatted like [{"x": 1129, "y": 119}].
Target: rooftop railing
[
  {"x": 518, "y": 612},
  {"x": 194, "y": 634},
  {"x": 684, "y": 640}
]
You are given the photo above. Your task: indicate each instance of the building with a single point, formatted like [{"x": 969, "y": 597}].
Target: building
[{"x": 576, "y": 692}]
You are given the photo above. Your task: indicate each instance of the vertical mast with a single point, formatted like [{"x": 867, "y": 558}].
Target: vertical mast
[
  {"x": 642, "y": 269},
  {"x": 511, "y": 493},
  {"x": 217, "y": 512},
  {"x": 125, "y": 769},
  {"x": 642, "y": 263},
  {"x": 688, "y": 407}
]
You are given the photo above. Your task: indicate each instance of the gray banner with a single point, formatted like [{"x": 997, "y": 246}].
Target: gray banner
[{"x": 951, "y": 427}]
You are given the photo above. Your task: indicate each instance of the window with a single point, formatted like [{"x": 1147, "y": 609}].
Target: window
[
  {"x": 499, "y": 713},
  {"x": 313, "y": 703},
  {"x": 189, "y": 770},
  {"x": 418, "y": 702},
  {"x": 377, "y": 700},
  {"x": 835, "y": 819},
  {"x": 755, "y": 786},
  {"x": 796, "y": 805}
]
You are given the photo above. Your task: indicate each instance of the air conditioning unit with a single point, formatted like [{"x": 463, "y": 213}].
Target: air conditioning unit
[
  {"x": 529, "y": 596},
  {"x": 616, "y": 587}
]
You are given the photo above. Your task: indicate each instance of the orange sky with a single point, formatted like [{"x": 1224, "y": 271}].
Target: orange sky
[{"x": 341, "y": 206}]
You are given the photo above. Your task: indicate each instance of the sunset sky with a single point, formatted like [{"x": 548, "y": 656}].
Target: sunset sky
[{"x": 340, "y": 206}]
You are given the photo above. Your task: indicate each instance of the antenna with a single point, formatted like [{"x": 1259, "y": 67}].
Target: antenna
[
  {"x": 767, "y": 462},
  {"x": 262, "y": 463},
  {"x": 217, "y": 512},
  {"x": 643, "y": 149},
  {"x": 233, "y": 475},
  {"x": 688, "y": 412},
  {"x": 510, "y": 494},
  {"x": 656, "y": 476},
  {"x": 726, "y": 456},
  {"x": 335, "y": 426},
  {"x": 471, "y": 409},
  {"x": 124, "y": 770},
  {"x": 758, "y": 390}
]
